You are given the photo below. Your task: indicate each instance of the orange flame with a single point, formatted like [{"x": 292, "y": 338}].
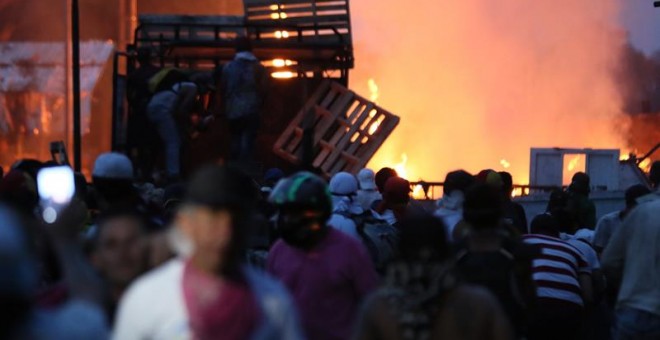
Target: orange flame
[
  {"x": 573, "y": 163},
  {"x": 453, "y": 102}
]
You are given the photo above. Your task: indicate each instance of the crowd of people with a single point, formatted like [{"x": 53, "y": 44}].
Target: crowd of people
[{"x": 293, "y": 256}]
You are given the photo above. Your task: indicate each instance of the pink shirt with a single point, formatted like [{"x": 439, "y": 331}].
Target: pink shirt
[{"x": 328, "y": 283}]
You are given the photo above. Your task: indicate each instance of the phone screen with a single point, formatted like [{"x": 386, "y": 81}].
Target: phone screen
[{"x": 56, "y": 189}]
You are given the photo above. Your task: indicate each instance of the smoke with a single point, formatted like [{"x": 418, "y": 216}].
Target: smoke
[{"x": 478, "y": 83}]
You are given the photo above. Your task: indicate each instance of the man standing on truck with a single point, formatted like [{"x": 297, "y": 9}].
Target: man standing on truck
[{"x": 243, "y": 89}]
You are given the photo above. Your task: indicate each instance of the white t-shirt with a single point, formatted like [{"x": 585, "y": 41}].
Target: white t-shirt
[
  {"x": 154, "y": 307},
  {"x": 606, "y": 227},
  {"x": 587, "y": 251}
]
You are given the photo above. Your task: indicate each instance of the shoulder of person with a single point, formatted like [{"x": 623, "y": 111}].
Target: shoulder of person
[
  {"x": 521, "y": 250},
  {"x": 471, "y": 292},
  {"x": 265, "y": 283},
  {"x": 347, "y": 242},
  {"x": 154, "y": 283},
  {"x": 611, "y": 216}
]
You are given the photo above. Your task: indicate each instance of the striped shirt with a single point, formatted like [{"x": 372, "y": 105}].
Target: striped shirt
[{"x": 556, "y": 269}]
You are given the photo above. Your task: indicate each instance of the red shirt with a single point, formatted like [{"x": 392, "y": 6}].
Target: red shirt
[{"x": 219, "y": 309}]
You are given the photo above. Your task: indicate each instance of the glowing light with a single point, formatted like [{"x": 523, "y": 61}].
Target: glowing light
[
  {"x": 519, "y": 192},
  {"x": 373, "y": 90},
  {"x": 401, "y": 166},
  {"x": 35, "y": 131},
  {"x": 418, "y": 192},
  {"x": 274, "y": 16},
  {"x": 283, "y": 15},
  {"x": 376, "y": 124},
  {"x": 282, "y": 62},
  {"x": 573, "y": 163},
  {"x": 283, "y": 75},
  {"x": 274, "y": 7},
  {"x": 281, "y": 34},
  {"x": 645, "y": 165},
  {"x": 49, "y": 215},
  {"x": 505, "y": 163}
]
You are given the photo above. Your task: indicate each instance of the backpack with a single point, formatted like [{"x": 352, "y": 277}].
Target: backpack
[
  {"x": 165, "y": 79},
  {"x": 380, "y": 237},
  {"x": 497, "y": 271}
]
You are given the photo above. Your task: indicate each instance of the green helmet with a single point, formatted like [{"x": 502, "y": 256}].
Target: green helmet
[{"x": 303, "y": 190}]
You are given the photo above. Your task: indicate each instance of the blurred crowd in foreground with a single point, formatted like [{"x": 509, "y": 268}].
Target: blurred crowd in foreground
[{"x": 292, "y": 256}]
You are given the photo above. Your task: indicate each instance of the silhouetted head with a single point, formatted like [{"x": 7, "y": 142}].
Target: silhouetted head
[
  {"x": 459, "y": 180},
  {"x": 507, "y": 181},
  {"x": 483, "y": 206},
  {"x": 422, "y": 238},
  {"x": 215, "y": 216},
  {"x": 382, "y": 176},
  {"x": 304, "y": 205},
  {"x": 545, "y": 224},
  {"x": 633, "y": 193},
  {"x": 243, "y": 44},
  {"x": 581, "y": 183}
]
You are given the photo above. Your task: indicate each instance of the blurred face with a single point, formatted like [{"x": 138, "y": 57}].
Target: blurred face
[
  {"x": 121, "y": 250},
  {"x": 300, "y": 229},
  {"x": 211, "y": 233}
]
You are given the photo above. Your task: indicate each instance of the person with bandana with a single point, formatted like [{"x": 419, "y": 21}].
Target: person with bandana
[
  {"x": 210, "y": 293},
  {"x": 343, "y": 188},
  {"x": 327, "y": 272}
]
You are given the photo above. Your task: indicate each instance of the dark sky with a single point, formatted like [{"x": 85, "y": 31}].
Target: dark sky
[{"x": 643, "y": 23}]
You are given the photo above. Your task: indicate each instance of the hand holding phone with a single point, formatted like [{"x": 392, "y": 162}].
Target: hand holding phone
[{"x": 56, "y": 189}]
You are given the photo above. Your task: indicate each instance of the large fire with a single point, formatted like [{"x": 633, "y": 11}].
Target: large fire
[{"x": 477, "y": 84}]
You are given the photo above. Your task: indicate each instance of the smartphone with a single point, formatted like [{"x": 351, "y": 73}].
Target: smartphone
[{"x": 56, "y": 187}]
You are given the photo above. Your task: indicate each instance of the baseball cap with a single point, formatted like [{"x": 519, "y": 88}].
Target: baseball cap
[
  {"x": 490, "y": 177},
  {"x": 367, "y": 179},
  {"x": 113, "y": 165}
]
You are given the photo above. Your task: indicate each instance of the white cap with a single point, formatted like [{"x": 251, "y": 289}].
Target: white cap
[
  {"x": 367, "y": 179},
  {"x": 113, "y": 165},
  {"x": 343, "y": 184}
]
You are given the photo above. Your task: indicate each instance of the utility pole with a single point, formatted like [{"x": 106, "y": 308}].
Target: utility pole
[{"x": 75, "y": 56}]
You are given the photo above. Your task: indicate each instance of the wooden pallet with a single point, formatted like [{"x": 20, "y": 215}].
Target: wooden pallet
[{"x": 347, "y": 130}]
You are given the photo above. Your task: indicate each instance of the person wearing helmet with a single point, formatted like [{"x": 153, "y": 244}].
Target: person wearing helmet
[
  {"x": 210, "y": 293},
  {"x": 343, "y": 188},
  {"x": 327, "y": 271}
]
